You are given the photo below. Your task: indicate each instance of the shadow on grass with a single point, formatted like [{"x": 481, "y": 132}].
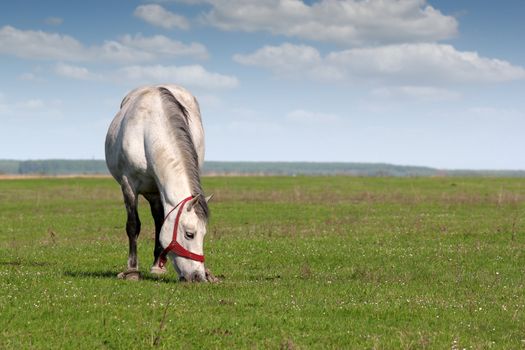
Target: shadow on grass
[
  {"x": 113, "y": 275},
  {"x": 25, "y": 263}
]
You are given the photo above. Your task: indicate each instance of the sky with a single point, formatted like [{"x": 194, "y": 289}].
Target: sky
[{"x": 437, "y": 83}]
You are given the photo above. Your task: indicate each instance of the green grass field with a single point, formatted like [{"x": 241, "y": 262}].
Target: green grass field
[{"x": 306, "y": 262}]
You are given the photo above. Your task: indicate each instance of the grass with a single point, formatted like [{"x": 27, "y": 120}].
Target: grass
[{"x": 307, "y": 262}]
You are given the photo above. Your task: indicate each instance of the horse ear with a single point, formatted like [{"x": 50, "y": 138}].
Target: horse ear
[
  {"x": 193, "y": 201},
  {"x": 209, "y": 197}
]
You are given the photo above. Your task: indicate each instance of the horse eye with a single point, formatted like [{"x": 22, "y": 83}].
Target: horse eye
[{"x": 190, "y": 235}]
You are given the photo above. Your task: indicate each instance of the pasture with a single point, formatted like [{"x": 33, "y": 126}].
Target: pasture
[{"x": 305, "y": 262}]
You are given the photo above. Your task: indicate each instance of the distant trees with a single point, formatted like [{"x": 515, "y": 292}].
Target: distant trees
[
  {"x": 313, "y": 168},
  {"x": 53, "y": 167},
  {"x": 91, "y": 167}
]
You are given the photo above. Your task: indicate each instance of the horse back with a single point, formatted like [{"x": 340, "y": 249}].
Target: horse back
[{"x": 140, "y": 142}]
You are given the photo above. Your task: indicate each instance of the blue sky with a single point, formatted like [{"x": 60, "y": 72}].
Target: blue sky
[{"x": 435, "y": 83}]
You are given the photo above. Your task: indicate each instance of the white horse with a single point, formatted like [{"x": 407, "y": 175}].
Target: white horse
[{"x": 155, "y": 147}]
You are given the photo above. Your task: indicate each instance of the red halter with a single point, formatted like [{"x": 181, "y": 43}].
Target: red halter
[{"x": 174, "y": 246}]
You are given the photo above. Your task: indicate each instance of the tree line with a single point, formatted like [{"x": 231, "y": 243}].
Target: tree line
[{"x": 50, "y": 167}]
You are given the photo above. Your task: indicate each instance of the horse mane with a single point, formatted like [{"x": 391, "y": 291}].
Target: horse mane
[
  {"x": 179, "y": 118},
  {"x": 124, "y": 100}
]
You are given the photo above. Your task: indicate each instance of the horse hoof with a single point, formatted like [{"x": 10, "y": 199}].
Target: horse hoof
[
  {"x": 130, "y": 275},
  {"x": 157, "y": 270}
]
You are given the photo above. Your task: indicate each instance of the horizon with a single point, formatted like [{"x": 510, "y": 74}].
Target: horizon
[
  {"x": 293, "y": 162},
  {"x": 434, "y": 83}
]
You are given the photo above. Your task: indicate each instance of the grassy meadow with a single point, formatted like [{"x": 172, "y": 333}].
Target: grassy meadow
[{"x": 305, "y": 263}]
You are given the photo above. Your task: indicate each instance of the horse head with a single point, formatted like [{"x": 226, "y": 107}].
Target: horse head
[{"x": 182, "y": 237}]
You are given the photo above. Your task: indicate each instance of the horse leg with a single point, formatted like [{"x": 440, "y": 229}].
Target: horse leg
[
  {"x": 157, "y": 211},
  {"x": 132, "y": 229}
]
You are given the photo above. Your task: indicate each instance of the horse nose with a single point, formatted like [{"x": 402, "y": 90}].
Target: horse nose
[{"x": 197, "y": 277}]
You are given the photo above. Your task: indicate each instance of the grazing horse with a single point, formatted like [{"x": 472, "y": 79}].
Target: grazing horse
[{"x": 155, "y": 147}]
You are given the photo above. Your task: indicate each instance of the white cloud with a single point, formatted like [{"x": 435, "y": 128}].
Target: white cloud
[
  {"x": 247, "y": 121},
  {"x": 32, "y": 104},
  {"x": 31, "y": 44},
  {"x": 128, "y": 49},
  {"x": 291, "y": 60},
  {"x": 283, "y": 59},
  {"x": 424, "y": 62},
  {"x": 348, "y": 22},
  {"x": 75, "y": 72},
  {"x": 163, "y": 45},
  {"x": 308, "y": 117},
  {"x": 30, "y": 108},
  {"x": 158, "y": 16},
  {"x": 495, "y": 113},
  {"x": 406, "y": 64},
  {"x": 208, "y": 101},
  {"x": 3, "y": 105},
  {"x": 421, "y": 93},
  {"x": 114, "y": 51},
  {"x": 27, "y": 76},
  {"x": 40, "y": 45},
  {"x": 54, "y": 21},
  {"x": 192, "y": 75}
]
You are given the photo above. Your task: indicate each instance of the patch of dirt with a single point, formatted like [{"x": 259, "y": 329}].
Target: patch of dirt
[
  {"x": 220, "y": 332},
  {"x": 287, "y": 344},
  {"x": 210, "y": 277}
]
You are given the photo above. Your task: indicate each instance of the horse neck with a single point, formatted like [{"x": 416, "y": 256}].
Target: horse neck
[{"x": 175, "y": 187}]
